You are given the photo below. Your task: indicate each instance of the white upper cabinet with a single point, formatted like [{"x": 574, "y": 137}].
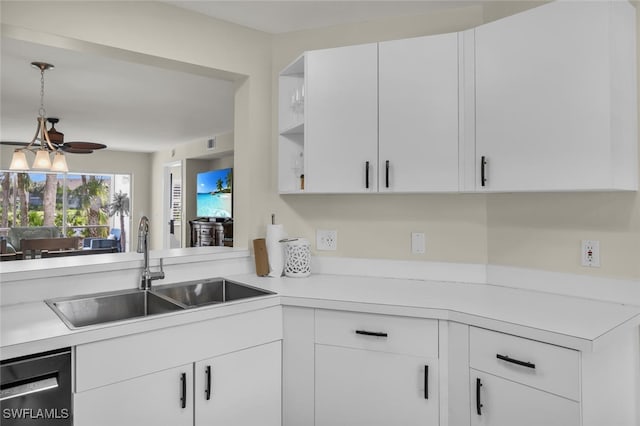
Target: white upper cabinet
[
  {"x": 544, "y": 100},
  {"x": 341, "y": 119},
  {"x": 418, "y": 122},
  {"x": 556, "y": 105}
]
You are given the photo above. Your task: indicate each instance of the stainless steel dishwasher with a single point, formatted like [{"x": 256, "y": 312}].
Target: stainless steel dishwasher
[{"x": 36, "y": 390}]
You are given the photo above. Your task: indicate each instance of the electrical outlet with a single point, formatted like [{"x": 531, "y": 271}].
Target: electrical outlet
[
  {"x": 326, "y": 240},
  {"x": 417, "y": 243},
  {"x": 590, "y": 253}
]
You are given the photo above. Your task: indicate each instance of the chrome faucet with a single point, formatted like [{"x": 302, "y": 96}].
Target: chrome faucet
[{"x": 143, "y": 247}]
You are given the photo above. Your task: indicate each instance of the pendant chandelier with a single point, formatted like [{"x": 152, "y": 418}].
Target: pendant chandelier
[{"x": 48, "y": 142}]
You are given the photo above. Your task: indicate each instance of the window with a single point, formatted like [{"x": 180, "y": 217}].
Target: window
[{"x": 76, "y": 203}]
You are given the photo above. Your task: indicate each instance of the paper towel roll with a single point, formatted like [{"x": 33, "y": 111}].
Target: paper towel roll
[{"x": 275, "y": 249}]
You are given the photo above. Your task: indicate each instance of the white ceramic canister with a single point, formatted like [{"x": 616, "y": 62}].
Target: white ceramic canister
[{"x": 297, "y": 257}]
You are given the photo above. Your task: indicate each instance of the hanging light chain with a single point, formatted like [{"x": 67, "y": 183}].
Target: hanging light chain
[{"x": 42, "y": 112}]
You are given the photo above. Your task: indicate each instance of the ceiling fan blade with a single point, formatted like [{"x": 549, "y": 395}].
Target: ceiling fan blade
[
  {"x": 72, "y": 150},
  {"x": 83, "y": 145},
  {"x": 14, "y": 143}
]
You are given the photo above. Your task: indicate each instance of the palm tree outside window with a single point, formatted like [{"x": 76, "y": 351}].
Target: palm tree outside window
[{"x": 78, "y": 204}]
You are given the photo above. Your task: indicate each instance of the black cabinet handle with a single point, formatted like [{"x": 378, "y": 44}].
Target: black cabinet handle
[
  {"x": 426, "y": 382},
  {"x": 371, "y": 333},
  {"x": 386, "y": 174},
  {"x": 478, "y": 403},
  {"x": 366, "y": 175},
  {"x": 515, "y": 361},
  {"x": 207, "y": 390},
  {"x": 483, "y": 176},
  {"x": 183, "y": 390}
]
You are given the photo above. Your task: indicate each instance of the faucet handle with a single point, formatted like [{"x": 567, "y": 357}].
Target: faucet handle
[{"x": 161, "y": 270}]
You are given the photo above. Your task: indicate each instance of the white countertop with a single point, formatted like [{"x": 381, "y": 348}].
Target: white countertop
[{"x": 573, "y": 322}]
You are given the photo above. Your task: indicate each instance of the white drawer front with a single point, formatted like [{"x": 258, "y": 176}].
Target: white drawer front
[
  {"x": 385, "y": 333},
  {"x": 539, "y": 365}
]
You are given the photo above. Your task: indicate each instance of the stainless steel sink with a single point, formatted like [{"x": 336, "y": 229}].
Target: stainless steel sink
[
  {"x": 208, "y": 292},
  {"x": 103, "y": 308}
]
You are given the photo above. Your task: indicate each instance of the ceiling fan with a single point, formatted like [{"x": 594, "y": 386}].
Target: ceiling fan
[
  {"x": 47, "y": 141},
  {"x": 57, "y": 140}
]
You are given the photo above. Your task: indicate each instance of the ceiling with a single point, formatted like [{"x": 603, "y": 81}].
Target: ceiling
[
  {"x": 285, "y": 16},
  {"x": 134, "y": 107},
  {"x": 125, "y": 105}
]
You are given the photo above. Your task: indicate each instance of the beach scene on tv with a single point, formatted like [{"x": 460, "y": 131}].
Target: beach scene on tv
[{"x": 215, "y": 193}]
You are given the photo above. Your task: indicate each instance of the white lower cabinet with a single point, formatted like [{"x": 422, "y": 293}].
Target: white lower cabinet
[
  {"x": 375, "y": 370},
  {"x": 162, "y": 398},
  {"x": 500, "y": 402},
  {"x": 360, "y": 387},
  {"x": 520, "y": 381},
  {"x": 223, "y": 371},
  {"x": 241, "y": 388}
]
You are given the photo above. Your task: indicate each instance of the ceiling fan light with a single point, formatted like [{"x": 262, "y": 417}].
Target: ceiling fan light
[
  {"x": 19, "y": 161},
  {"x": 42, "y": 161},
  {"x": 59, "y": 163}
]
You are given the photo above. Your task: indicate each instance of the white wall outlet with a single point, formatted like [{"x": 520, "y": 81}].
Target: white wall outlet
[
  {"x": 326, "y": 240},
  {"x": 590, "y": 253},
  {"x": 417, "y": 243}
]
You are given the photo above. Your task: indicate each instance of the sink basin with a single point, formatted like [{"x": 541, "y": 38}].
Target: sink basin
[
  {"x": 103, "y": 308},
  {"x": 208, "y": 292}
]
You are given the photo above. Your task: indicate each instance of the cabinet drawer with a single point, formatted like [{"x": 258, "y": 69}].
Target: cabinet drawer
[
  {"x": 385, "y": 333},
  {"x": 540, "y": 365}
]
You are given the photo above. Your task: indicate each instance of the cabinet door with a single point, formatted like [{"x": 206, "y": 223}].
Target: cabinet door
[
  {"x": 341, "y": 119},
  {"x": 359, "y": 387},
  {"x": 505, "y": 403},
  {"x": 543, "y": 99},
  {"x": 240, "y": 388},
  {"x": 419, "y": 114},
  {"x": 163, "y": 398}
]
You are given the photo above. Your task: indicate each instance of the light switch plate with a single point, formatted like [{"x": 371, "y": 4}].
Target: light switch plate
[{"x": 418, "y": 243}]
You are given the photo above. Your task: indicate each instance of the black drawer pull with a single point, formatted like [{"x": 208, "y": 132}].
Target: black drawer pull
[
  {"x": 386, "y": 174},
  {"x": 483, "y": 172},
  {"x": 426, "y": 382},
  {"x": 371, "y": 333},
  {"x": 515, "y": 361},
  {"x": 183, "y": 390},
  {"x": 207, "y": 390},
  {"x": 366, "y": 175},
  {"x": 478, "y": 403}
]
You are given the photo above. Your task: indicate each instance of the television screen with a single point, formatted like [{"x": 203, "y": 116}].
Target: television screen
[{"x": 215, "y": 196}]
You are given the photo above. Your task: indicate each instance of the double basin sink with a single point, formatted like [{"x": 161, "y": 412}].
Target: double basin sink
[{"x": 101, "y": 308}]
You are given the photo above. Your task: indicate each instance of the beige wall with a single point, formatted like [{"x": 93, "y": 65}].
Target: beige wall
[
  {"x": 380, "y": 226},
  {"x": 530, "y": 230},
  {"x": 545, "y": 230},
  {"x": 541, "y": 231},
  {"x": 137, "y": 30}
]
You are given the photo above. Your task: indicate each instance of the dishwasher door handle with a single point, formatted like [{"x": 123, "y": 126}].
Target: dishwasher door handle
[{"x": 36, "y": 385}]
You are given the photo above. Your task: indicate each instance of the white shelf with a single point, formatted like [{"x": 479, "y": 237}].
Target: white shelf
[
  {"x": 291, "y": 124},
  {"x": 294, "y": 129},
  {"x": 295, "y": 68}
]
